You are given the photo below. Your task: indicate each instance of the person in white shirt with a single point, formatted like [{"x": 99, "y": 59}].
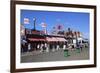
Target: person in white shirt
[
  {"x": 57, "y": 47},
  {"x": 64, "y": 47},
  {"x": 29, "y": 47},
  {"x": 38, "y": 46},
  {"x": 41, "y": 48}
]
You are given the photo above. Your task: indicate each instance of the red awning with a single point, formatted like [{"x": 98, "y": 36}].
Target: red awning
[
  {"x": 36, "y": 39},
  {"x": 56, "y": 39},
  {"x": 51, "y": 39},
  {"x": 62, "y": 39}
]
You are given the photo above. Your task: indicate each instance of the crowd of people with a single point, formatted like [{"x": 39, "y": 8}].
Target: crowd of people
[
  {"x": 50, "y": 46},
  {"x": 44, "y": 46}
]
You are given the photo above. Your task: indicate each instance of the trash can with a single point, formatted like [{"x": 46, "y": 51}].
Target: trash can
[
  {"x": 78, "y": 50},
  {"x": 66, "y": 54}
]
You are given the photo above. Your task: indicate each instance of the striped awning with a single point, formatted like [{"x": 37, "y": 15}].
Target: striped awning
[
  {"x": 51, "y": 39},
  {"x": 61, "y": 39},
  {"x": 36, "y": 39},
  {"x": 56, "y": 39}
]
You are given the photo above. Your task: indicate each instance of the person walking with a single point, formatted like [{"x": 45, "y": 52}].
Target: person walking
[
  {"x": 57, "y": 47},
  {"x": 29, "y": 47},
  {"x": 81, "y": 46},
  {"x": 78, "y": 48},
  {"x": 38, "y": 47},
  {"x": 41, "y": 47}
]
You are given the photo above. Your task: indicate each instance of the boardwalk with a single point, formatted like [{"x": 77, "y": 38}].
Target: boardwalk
[{"x": 54, "y": 56}]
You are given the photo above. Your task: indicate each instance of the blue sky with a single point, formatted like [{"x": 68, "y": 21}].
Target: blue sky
[{"x": 74, "y": 20}]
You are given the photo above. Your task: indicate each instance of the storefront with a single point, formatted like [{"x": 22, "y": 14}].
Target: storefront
[
  {"x": 45, "y": 42},
  {"x": 38, "y": 41}
]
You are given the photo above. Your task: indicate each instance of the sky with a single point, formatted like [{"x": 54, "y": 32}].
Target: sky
[{"x": 78, "y": 21}]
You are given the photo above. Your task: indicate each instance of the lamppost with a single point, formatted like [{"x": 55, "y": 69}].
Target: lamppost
[
  {"x": 69, "y": 36},
  {"x": 77, "y": 43},
  {"x": 34, "y": 19}
]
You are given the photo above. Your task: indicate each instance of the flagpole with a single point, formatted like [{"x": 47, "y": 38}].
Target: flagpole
[{"x": 34, "y": 19}]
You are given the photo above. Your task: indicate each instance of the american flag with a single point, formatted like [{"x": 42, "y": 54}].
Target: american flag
[{"x": 26, "y": 20}]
